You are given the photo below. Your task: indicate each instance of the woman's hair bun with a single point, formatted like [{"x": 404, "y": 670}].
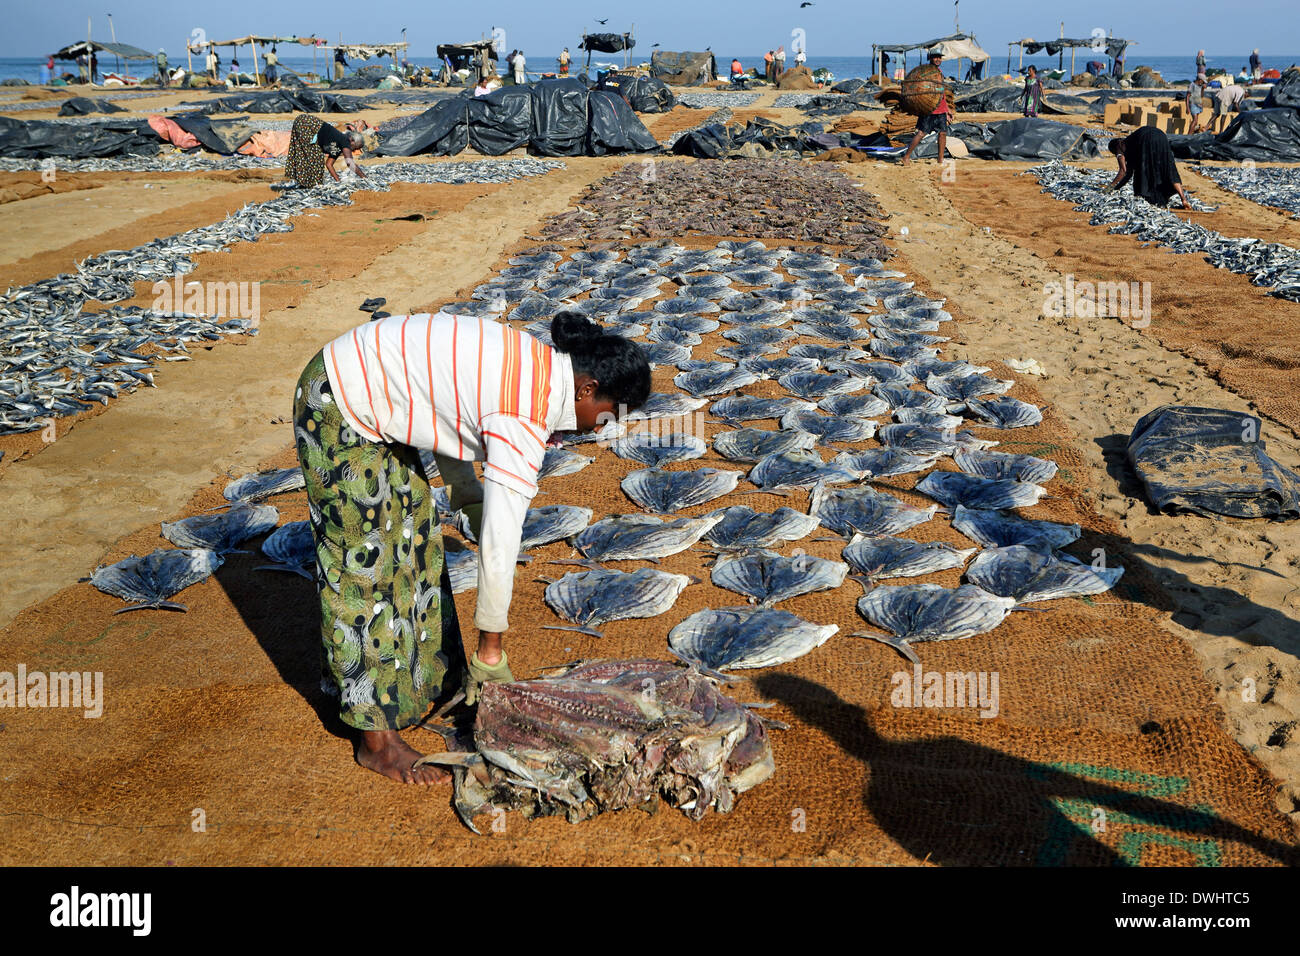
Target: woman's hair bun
[{"x": 572, "y": 330}]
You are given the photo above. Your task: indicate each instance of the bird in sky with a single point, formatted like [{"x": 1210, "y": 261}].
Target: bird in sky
[
  {"x": 806, "y": 3},
  {"x": 603, "y": 22},
  {"x": 653, "y": 45}
]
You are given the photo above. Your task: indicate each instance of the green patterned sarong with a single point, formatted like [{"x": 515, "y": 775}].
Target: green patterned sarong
[{"x": 390, "y": 638}]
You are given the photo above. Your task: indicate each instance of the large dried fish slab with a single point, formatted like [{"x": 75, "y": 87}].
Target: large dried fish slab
[
  {"x": 222, "y": 533},
  {"x": 997, "y": 529},
  {"x": 885, "y": 556},
  {"x": 863, "y": 510},
  {"x": 767, "y": 578},
  {"x": 740, "y": 528},
  {"x": 642, "y": 537},
  {"x": 151, "y": 580},
  {"x": 954, "y": 488},
  {"x": 734, "y": 638},
  {"x": 752, "y": 444},
  {"x": 917, "y": 613},
  {"x": 1031, "y": 574},
  {"x": 591, "y": 598},
  {"x": 664, "y": 492}
]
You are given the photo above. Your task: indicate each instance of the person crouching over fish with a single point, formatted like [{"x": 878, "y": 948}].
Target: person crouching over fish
[
  {"x": 1145, "y": 157},
  {"x": 467, "y": 389},
  {"x": 313, "y": 147}
]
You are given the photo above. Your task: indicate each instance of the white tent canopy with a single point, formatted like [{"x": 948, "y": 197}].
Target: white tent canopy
[{"x": 966, "y": 49}]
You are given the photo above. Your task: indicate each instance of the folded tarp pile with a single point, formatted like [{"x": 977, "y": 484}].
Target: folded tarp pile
[
  {"x": 37, "y": 139},
  {"x": 760, "y": 138},
  {"x": 552, "y": 118},
  {"x": 645, "y": 94},
  {"x": 1031, "y": 137},
  {"x": 1210, "y": 461},
  {"x": 83, "y": 106},
  {"x": 1269, "y": 135},
  {"x": 996, "y": 97}
]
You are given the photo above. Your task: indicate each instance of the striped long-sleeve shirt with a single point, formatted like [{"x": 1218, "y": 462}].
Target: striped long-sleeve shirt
[{"x": 468, "y": 389}]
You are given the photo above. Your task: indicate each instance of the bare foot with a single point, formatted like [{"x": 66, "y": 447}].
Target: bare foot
[
  {"x": 906, "y": 161},
  {"x": 385, "y": 752}
]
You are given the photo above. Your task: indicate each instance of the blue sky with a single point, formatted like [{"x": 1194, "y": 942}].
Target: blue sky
[{"x": 832, "y": 27}]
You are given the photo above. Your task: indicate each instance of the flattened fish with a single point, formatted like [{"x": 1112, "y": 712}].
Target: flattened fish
[
  {"x": 643, "y": 537},
  {"x": 863, "y": 510},
  {"x": 151, "y": 580},
  {"x": 222, "y": 533},
  {"x": 665, "y": 405},
  {"x": 998, "y": 529},
  {"x": 829, "y": 428},
  {"x": 741, "y": 528},
  {"x": 653, "y": 449},
  {"x": 1005, "y": 412},
  {"x": 900, "y": 396},
  {"x": 1002, "y": 465},
  {"x": 552, "y": 523},
  {"x": 590, "y": 598},
  {"x": 953, "y": 488},
  {"x": 747, "y": 408},
  {"x": 732, "y": 638},
  {"x": 884, "y": 462},
  {"x": 854, "y": 406},
  {"x": 927, "y": 440},
  {"x": 263, "y": 484},
  {"x": 751, "y": 444},
  {"x": 885, "y": 556},
  {"x": 815, "y": 385},
  {"x": 559, "y": 461},
  {"x": 1031, "y": 574},
  {"x": 915, "y": 613},
  {"x": 292, "y": 548},
  {"x": 462, "y": 569},
  {"x": 767, "y": 578},
  {"x": 664, "y": 492},
  {"x": 798, "y": 469},
  {"x": 703, "y": 382}
]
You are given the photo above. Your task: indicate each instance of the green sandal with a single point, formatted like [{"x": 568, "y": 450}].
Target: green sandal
[{"x": 480, "y": 674}]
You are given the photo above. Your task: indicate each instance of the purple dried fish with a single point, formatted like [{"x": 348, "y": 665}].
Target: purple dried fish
[
  {"x": 223, "y": 533},
  {"x": 292, "y": 548}
]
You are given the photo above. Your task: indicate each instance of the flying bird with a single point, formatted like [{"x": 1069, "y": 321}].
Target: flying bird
[
  {"x": 653, "y": 45},
  {"x": 806, "y": 3},
  {"x": 603, "y": 22}
]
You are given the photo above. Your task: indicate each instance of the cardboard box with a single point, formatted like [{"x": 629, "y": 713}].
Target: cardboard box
[
  {"x": 1114, "y": 114},
  {"x": 1177, "y": 125}
]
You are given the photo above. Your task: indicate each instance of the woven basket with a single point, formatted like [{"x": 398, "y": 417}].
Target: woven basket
[{"x": 922, "y": 89}]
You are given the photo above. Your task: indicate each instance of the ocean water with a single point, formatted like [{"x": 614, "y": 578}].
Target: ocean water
[{"x": 1172, "y": 68}]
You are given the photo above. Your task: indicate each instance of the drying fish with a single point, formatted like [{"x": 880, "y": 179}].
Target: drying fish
[
  {"x": 924, "y": 368},
  {"x": 997, "y": 529},
  {"x": 754, "y": 275},
  {"x": 916, "y": 613},
  {"x": 653, "y": 449},
  {"x": 1004, "y": 412},
  {"x": 560, "y": 461},
  {"x": 751, "y": 444},
  {"x": 961, "y": 389},
  {"x": 886, "y": 373},
  {"x": 665, "y": 405},
  {"x": 671, "y": 335},
  {"x": 834, "y": 333},
  {"x": 743, "y": 302},
  {"x": 292, "y": 548},
  {"x": 1001, "y": 465},
  {"x": 814, "y": 385},
  {"x": 799, "y": 469},
  {"x": 740, "y": 528},
  {"x": 714, "y": 381},
  {"x": 863, "y": 510},
  {"x": 829, "y": 429},
  {"x": 706, "y": 284},
  {"x": 741, "y": 352},
  {"x": 664, "y": 492},
  {"x": 591, "y": 598},
  {"x": 767, "y": 578},
  {"x": 901, "y": 337},
  {"x": 733, "y": 638},
  {"x": 757, "y": 335},
  {"x": 151, "y": 580},
  {"x": 747, "y": 408},
  {"x": 884, "y": 556},
  {"x": 760, "y": 318},
  {"x": 462, "y": 569},
  {"x": 884, "y": 462},
  {"x": 686, "y": 305},
  {"x": 263, "y": 484},
  {"x": 1029, "y": 575},
  {"x": 774, "y": 368},
  {"x": 551, "y": 523},
  {"x": 902, "y": 352},
  {"x": 828, "y": 353},
  {"x": 928, "y": 440},
  {"x": 823, "y": 316},
  {"x": 222, "y": 533},
  {"x": 689, "y": 323},
  {"x": 534, "y": 308},
  {"x": 642, "y": 537},
  {"x": 920, "y": 416},
  {"x": 666, "y": 353},
  {"x": 902, "y": 322},
  {"x": 900, "y": 396},
  {"x": 954, "y": 488},
  {"x": 593, "y": 740},
  {"x": 854, "y": 406}
]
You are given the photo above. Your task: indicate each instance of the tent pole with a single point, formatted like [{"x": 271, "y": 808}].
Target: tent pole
[
  {"x": 1060, "y": 54},
  {"x": 1072, "y": 51},
  {"x": 257, "y": 77}
]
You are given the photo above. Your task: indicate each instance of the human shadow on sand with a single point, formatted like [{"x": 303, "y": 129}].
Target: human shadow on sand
[{"x": 957, "y": 803}]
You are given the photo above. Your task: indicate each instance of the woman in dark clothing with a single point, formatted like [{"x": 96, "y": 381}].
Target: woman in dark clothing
[
  {"x": 1144, "y": 157},
  {"x": 313, "y": 147}
]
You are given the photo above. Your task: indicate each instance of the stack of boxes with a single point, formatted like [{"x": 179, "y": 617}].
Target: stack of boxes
[{"x": 1168, "y": 116}]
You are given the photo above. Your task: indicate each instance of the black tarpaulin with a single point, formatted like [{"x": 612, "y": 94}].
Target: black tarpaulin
[
  {"x": 645, "y": 94},
  {"x": 83, "y": 106},
  {"x": 1269, "y": 135},
  {"x": 124, "y": 50},
  {"x": 219, "y": 136},
  {"x": 613, "y": 127},
  {"x": 607, "y": 42},
  {"x": 1286, "y": 91},
  {"x": 441, "y": 130},
  {"x": 559, "y": 118},
  {"x": 501, "y": 120},
  {"x": 1210, "y": 461},
  {"x": 1031, "y": 137},
  {"x": 36, "y": 139}
]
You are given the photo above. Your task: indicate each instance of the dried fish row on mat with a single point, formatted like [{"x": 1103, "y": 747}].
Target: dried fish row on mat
[
  {"x": 653, "y": 449},
  {"x": 748, "y": 408},
  {"x": 752, "y": 444},
  {"x": 643, "y": 537},
  {"x": 918, "y": 613},
  {"x": 767, "y": 578},
  {"x": 665, "y": 405},
  {"x": 829, "y": 429},
  {"x": 264, "y": 484},
  {"x": 854, "y": 406},
  {"x": 150, "y": 581},
  {"x": 704, "y": 382},
  {"x": 799, "y": 469},
  {"x": 1004, "y": 412},
  {"x": 664, "y": 492},
  {"x": 884, "y": 462},
  {"x": 1004, "y": 465},
  {"x": 863, "y": 510},
  {"x": 886, "y": 556},
  {"x": 1029, "y": 575},
  {"x": 735, "y": 638},
  {"x": 929, "y": 440},
  {"x": 740, "y": 528},
  {"x": 816, "y": 385},
  {"x": 954, "y": 488},
  {"x": 604, "y": 736},
  {"x": 559, "y": 461},
  {"x": 666, "y": 353},
  {"x": 998, "y": 529},
  {"x": 591, "y": 598}
]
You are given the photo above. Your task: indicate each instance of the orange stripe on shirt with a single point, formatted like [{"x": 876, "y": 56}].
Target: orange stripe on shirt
[
  {"x": 365, "y": 376},
  {"x": 505, "y": 471},
  {"x": 510, "y": 382},
  {"x": 500, "y": 437},
  {"x": 379, "y": 358},
  {"x": 406, "y": 371},
  {"x": 335, "y": 363},
  {"x": 541, "y": 382},
  {"x": 428, "y": 358}
]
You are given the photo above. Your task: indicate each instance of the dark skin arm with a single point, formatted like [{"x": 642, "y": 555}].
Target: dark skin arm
[{"x": 347, "y": 157}]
